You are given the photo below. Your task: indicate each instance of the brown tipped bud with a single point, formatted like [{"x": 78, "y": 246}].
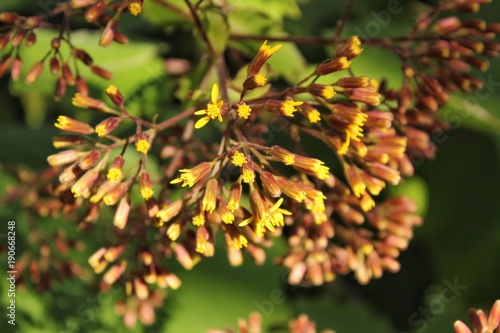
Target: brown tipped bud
[
  {"x": 68, "y": 124},
  {"x": 90, "y": 103},
  {"x": 321, "y": 90},
  {"x": 17, "y": 65},
  {"x": 145, "y": 186},
  {"x": 353, "y": 82},
  {"x": 95, "y": 11},
  {"x": 8, "y": 17},
  {"x": 81, "y": 86},
  {"x": 18, "y": 38},
  {"x": 65, "y": 141},
  {"x": 54, "y": 65},
  {"x": 68, "y": 74},
  {"x": 30, "y": 39},
  {"x": 383, "y": 172},
  {"x": 234, "y": 197},
  {"x": 379, "y": 119},
  {"x": 84, "y": 182},
  {"x": 34, "y": 21},
  {"x": 84, "y": 57},
  {"x": 466, "y": 7},
  {"x": 89, "y": 161},
  {"x": 115, "y": 170},
  {"x": 120, "y": 38},
  {"x": 101, "y": 72},
  {"x": 493, "y": 27},
  {"x": 142, "y": 144},
  {"x": 351, "y": 48},
  {"x": 477, "y": 24},
  {"x": 112, "y": 197},
  {"x": 447, "y": 25},
  {"x": 115, "y": 95},
  {"x": 122, "y": 212},
  {"x": 270, "y": 184},
  {"x": 334, "y": 65},
  {"x": 108, "y": 33},
  {"x": 107, "y": 126},
  {"x": 60, "y": 89},
  {"x": 64, "y": 157},
  {"x": 481, "y": 64},
  {"x": 4, "y": 39},
  {"x": 284, "y": 156},
  {"x": 114, "y": 273},
  {"x": 263, "y": 54},
  {"x": 4, "y": 64},
  {"x": 254, "y": 81},
  {"x": 34, "y": 73}
]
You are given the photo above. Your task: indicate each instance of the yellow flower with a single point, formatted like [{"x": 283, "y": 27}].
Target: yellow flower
[
  {"x": 248, "y": 175},
  {"x": 190, "y": 176},
  {"x": 244, "y": 111},
  {"x": 238, "y": 159},
  {"x": 213, "y": 110}
]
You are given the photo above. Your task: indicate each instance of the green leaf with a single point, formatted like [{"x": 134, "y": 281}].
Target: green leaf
[
  {"x": 274, "y": 9},
  {"x": 217, "y": 29}
]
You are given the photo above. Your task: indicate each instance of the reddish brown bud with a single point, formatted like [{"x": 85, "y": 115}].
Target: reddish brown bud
[
  {"x": 81, "y": 86},
  {"x": 101, "y": 72},
  {"x": 68, "y": 75},
  {"x": 270, "y": 184},
  {"x": 60, "y": 89},
  {"x": 446, "y": 25},
  {"x": 18, "y": 38},
  {"x": 30, "y": 39},
  {"x": 4, "y": 39},
  {"x": 17, "y": 65},
  {"x": 108, "y": 34},
  {"x": 95, "y": 11},
  {"x": 334, "y": 65},
  {"x": 34, "y": 73},
  {"x": 89, "y": 160},
  {"x": 120, "y": 38},
  {"x": 34, "y": 21},
  {"x": 84, "y": 57},
  {"x": 8, "y": 17},
  {"x": 54, "y": 65},
  {"x": 56, "y": 43},
  {"x": 115, "y": 95},
  {"x": 466, "y": 6}
]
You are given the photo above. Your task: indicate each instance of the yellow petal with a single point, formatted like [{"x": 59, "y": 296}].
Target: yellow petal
[
  {"x": 245, "y": 222},
  {"x": 200, "y": 112},
  {"x": 201, "y": 122},
  {"x": 215, "y": 93}
]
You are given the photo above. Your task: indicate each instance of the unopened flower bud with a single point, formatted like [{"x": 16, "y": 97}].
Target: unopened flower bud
[
  {"x": 101, "y": 72},
  {"x": 334, "y": 65},
  {"x": 15, "y": 72},
  {"x": 122, "y": 212},
  {"x": 116, "y": 169},
  {"x": 145, "y": 186},
  {"x": 89, "y": 161},
  {"x": 107, "y": 126},
  {"x": 68, "y": 74},
  {"x": 34, "y": 73},
  {"x": 115, "y": 95},
  {"x": 142, "y": 142}
]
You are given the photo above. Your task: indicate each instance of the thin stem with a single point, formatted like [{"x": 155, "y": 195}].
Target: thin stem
[
  {"x": 200, "y": 27},
  {"x": 341, "y": 23}
]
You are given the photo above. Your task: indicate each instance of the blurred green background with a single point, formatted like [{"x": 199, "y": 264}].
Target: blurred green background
[{"x": 459, "y": 241}]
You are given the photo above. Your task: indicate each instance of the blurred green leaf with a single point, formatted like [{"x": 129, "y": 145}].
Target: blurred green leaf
[{"x": 216, "y": 28}]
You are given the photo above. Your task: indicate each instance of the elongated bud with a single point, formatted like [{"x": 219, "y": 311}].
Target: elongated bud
[
  {"x": 54, "y": 65},
  {"x": 95, "y": 11},
  {"x": 60, "y": 89},
  {"x": 68, "y": 74},
  {"x": 71, "y": 125},
  {"x": 116, "y": 169},
  {"x": 114, "y": 273},
  {"x": 254, "y": 81},
  {"x": 8, "y": 17},
  {"x": 351, "y": 49},
  {"x": 115, "y": 95},
  {"x": 107, "y": 126},
  {"x": 30, "y": 39},
  {"x": 34, "y": 73},
  {"x": 112, "y": 197},
  {"x": 108, "y": 34},
  {"x": 64, "y": 157},
  {"x": 90, "y": 103},
  {"x": 17, "y": 65},
  {"x": 270, "y": 184},
  {"x": 101, "y": 72},
  {"x": 142, "y": 142},
  {"x": 18, "y": 38},
  {"x": 263, "y": 54},
  {"x": 321, "y": 90},
  {"x": 334, "y": 65},
  {"x": 234, "y": 197},
  {"x": 89, "y": 161},
  {"x": 81, "y": 86},
  {"x": 284, "y": 156},
  {"x": 145, "y": 186},
  {"x": 84, "y": 57},
  {"x": 4, "y": 64},
  {"x": 121, "y": 214},
  {"x": 170, "y": 211},
  {"x": 4, "y": 39},
  {"x": 120, "y": 38},
  {"x": 56, "y": 43}
]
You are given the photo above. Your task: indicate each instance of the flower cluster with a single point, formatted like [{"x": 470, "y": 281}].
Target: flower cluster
[{"x": 249, "y": 188}]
